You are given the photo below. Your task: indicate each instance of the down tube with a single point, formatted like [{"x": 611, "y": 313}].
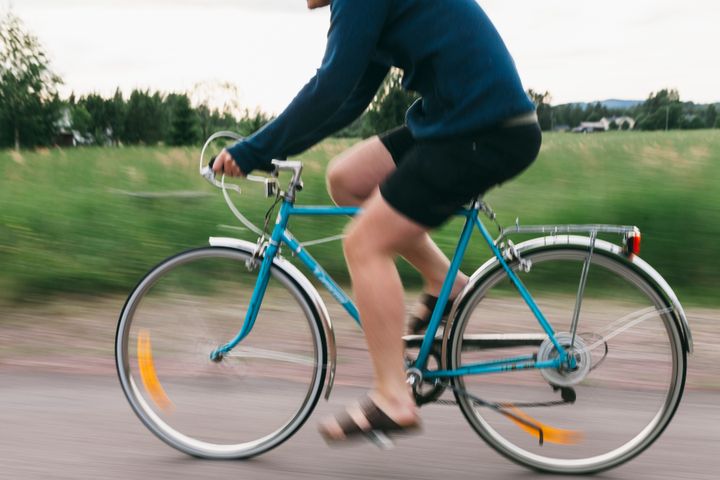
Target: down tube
[{"x": 322, "y": 276}]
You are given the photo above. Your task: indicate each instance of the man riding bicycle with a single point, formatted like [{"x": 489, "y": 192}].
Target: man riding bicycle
[{"x": 474, "y": 127}]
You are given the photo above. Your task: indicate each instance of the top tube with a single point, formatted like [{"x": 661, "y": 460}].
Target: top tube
[{"x": 320, "y": 210}]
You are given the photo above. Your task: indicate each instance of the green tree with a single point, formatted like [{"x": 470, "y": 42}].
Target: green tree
[
  {"x": 693, "y": 122},
  {"x": 96, "y": 106},
  {"x": 544, "y": 110},
  {"x": 390, "y": 104},
  {"x": 711, "y": 116},
  {"x": 596, "y": 112},
  {"x": 183, "y": 121},
  {"x": 251, "y": 122},
  {"x": 218, "y": 108},
  {"x": 28, "y": 87},
  {"x": 145, "y": 121},
  {"x": 205, "y": 120},
  {"x": 571, "y": 115},
  {"x": 660, "y": 111},
  {"x": 115, "y": 109},
  {"x": 82, "y": 121},
  {"x": 360, "y": 128}
]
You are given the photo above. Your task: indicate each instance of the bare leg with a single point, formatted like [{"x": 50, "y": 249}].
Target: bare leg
[
  {"x": 354, "y": 176},
  {"x": 370, "y": 250}
]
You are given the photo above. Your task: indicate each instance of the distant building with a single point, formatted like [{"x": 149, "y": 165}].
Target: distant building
[
  {"x": 620, "y": 121},
  {"x": 66, "y": 136},
  {"x": 603, "y": 125},
  {"x": 591, "y": 127}
]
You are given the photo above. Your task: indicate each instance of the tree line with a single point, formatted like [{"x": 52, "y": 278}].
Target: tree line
[
  {"x": 33, "y": 114},
  {"x": 662, "y": 110},
  {"x": 150, "y": 118}
]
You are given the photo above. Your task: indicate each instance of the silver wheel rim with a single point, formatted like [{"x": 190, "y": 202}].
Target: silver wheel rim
[
  {"x": 165, "y": 431},
  {"x": 595, "y": 463}
]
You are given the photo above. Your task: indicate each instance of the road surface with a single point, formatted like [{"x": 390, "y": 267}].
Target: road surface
[
  {"x": 64, "y": 416},
  {"x": 78, "y": 426}
]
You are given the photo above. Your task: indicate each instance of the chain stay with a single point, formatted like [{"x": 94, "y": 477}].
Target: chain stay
[{"x": 501, "y": 408}]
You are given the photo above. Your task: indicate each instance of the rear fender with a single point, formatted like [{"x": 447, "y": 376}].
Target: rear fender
[{"x": 538, "y": 244}]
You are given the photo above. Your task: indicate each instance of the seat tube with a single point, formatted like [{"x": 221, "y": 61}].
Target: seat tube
[{"x": 444, "y": 296}]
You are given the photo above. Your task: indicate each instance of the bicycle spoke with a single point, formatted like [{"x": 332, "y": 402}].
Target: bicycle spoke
[
  {"x": 260, "y": 353},
  {"x": 581, "y": 289},
  {"x": 627, "y": 322},
  {"x": 611, "y": 413},
  {"x": 252, "y": 400}
]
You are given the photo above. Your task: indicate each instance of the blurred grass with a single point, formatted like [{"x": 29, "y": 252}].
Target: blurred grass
[{"x": 68, "y": 223}]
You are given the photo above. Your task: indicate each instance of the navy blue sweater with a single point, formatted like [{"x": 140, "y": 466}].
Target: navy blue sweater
[{"x": 450, "y": 54}]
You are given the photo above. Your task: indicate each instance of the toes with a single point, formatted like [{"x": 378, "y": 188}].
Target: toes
[
  {"x": 331, "y": 428},
  {"x": 359, "y": 418}
]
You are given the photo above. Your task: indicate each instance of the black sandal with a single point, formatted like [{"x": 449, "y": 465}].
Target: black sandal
[
  {"x": 420, "y": 318},
  {"x": 380, "y": 426}
]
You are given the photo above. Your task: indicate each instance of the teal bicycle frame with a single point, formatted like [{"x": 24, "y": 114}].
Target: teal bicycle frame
[{"x": 280, "y": 236}]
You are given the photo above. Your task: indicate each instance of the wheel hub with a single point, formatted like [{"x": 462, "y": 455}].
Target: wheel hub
[{"x": 565, "y": 375}]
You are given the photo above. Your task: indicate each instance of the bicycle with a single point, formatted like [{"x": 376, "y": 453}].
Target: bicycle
[{"x": 598, "y": 350}]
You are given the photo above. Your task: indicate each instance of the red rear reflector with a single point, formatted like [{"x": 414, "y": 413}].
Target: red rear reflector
[{"x": 632, "y": 243}]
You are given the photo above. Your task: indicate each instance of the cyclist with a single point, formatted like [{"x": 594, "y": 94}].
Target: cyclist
[{"x": 473, "y": 128}]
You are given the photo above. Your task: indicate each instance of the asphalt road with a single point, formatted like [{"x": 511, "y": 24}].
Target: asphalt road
[{"x": 77, "y": 426}]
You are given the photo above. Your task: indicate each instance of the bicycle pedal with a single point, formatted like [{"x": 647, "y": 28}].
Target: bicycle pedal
[{"x": 380, "y": 439}]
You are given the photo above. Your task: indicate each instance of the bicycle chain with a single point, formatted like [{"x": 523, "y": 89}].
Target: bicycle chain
[{"x": 496, "y": 405}]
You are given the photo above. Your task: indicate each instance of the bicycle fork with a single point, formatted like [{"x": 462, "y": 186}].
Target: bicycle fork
[{"x": 270, "y": 249}]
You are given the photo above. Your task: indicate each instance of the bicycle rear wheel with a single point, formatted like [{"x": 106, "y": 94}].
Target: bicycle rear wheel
[
  {"x": 260, "y": 393},
  {"x": 631, "y": 355}
]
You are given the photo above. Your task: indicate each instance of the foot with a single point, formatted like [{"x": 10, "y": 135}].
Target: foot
[
  {"x": 420, "y": 317},
  {"x": 371, "y": 416}
]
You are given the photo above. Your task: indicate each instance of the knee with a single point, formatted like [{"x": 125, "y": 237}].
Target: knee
[
  {"x": 351, "y": 243},
  {"x": 356, "y": 245},
  {"x": 363, "y": 243},
  {"x": 342, "y": 185},
  {"x": 337, "y": 183}
]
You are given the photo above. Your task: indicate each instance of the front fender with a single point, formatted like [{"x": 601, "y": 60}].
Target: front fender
[{"x": 304, "y": 285}]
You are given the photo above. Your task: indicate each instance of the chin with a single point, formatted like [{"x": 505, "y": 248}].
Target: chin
[{"x": 312, "y": 4}]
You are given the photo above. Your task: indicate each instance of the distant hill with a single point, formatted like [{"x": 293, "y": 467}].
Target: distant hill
[
  {"x": 615, "y": 104},
  {"x": 612, "y": 104}
]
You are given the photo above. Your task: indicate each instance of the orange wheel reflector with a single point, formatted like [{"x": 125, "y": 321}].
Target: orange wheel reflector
[
  {"x": 550, "y": 434},
  {"x": 148, "y": 375}
]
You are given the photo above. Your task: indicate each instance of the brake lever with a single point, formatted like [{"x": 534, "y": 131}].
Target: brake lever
[{"x": 208, "y": 174}]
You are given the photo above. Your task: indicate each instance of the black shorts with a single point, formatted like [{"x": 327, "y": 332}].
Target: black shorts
[{"x": 434, "y": 178}]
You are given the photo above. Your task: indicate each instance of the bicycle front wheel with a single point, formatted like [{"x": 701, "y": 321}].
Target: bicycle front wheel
[
  {"x": 630, "y": 355},
  {"x": 258, "y": 395}
]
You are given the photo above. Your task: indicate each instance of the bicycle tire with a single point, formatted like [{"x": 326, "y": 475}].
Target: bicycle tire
[
  {"x": 622, "y": 405},
  {"x": 259, "y": 395}
]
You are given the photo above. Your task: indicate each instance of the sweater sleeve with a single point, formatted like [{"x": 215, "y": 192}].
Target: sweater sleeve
[
  {"x": 350, "y": 110},
  {"x": 355, "y": 28}
]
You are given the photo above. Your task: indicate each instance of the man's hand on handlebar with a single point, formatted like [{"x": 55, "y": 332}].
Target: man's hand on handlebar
[{"x": 224, "y": 163}]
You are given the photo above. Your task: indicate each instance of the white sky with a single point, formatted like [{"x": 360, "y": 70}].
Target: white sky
[{"x": 579, "y": 50}]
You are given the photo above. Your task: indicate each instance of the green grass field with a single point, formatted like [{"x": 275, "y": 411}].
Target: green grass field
[{"x": 71, "y": 222}]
